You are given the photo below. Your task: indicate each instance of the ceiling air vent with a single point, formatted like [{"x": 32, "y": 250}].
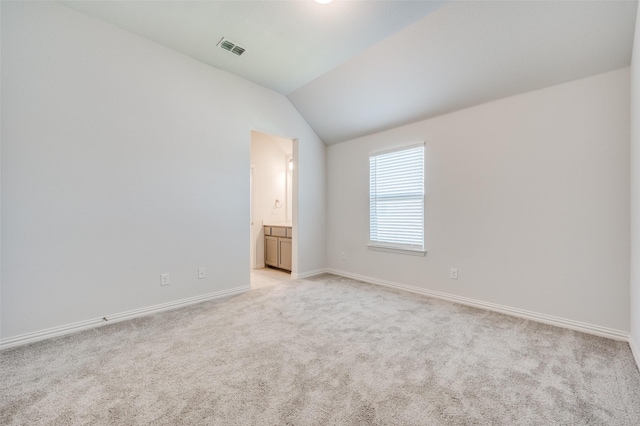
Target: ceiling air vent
[{"x": 231, "y": 46}]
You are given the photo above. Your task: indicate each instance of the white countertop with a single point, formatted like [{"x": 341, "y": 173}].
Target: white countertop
[{"x": 281, "y": 224}]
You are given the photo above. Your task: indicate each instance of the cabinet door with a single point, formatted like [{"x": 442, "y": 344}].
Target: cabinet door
[
  {"x": 285, "y": 253},
  {"x": 271, "y": 251}
]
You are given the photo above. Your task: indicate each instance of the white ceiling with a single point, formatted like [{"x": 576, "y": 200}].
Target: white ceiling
[
  {"x": 289, "y": 43},
  {"x": 356, "y": 67},
  {"x": 465, "y": 54}
]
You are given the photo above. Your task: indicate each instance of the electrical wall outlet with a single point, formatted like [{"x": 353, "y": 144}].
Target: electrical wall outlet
[
  {"x": 343, "y": 255},
  {"x": 164, "y": 279},
  {"x": 202, "y": 273},
  {"x": 453, "y": 273}
]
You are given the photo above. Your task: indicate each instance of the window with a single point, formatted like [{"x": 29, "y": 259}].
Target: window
[{"x": 396, "y": 200}]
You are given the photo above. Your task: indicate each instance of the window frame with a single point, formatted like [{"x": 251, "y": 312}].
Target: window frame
[{"x": 390, "y": 246}]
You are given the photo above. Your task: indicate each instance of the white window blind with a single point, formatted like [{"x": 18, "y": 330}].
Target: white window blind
[{"x": 396, "y": 206}]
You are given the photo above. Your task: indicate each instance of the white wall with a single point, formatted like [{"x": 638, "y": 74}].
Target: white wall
[
  {"x": 635, "y": 193},
  {"x": 0, "y": 177},
  {"x": 528, "y": 196},
  {"x": 269, "y": 160},
  {"x": 123, "y": 160}
]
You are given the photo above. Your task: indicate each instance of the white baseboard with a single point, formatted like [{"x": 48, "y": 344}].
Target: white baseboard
[
  {"x": 24, "y": 339},
  {"x": 530, "y": 315},
  {"x": 308, "y": 274},
  {"x": 635, "y": 350}
]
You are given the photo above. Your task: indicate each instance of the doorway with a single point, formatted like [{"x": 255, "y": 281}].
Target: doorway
[{"x": 273, "y": 199}]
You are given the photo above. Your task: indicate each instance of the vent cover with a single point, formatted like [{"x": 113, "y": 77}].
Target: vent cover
[{"x": 231, "y": 46}]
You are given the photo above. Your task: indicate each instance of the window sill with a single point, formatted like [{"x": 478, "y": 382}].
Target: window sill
[{"x": 411, "y": 252}]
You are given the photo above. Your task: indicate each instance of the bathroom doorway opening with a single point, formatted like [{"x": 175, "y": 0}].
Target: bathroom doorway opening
[{"x": 273, "y": 208}]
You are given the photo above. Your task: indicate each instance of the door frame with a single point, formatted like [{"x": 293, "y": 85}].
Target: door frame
[{"x": 294, "y": 196}]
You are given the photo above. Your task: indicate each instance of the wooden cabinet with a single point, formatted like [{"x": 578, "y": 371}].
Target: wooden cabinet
[
  {"x": 277, "y": 247},
  {"x": 284, "y": 253},
  {"x": 271, "y": 251}
]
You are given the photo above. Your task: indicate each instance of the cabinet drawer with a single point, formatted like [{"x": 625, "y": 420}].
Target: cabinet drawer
[
  {"x": 289, "y": 233},
  {"x": 267, "y": 230},
  {"x": 278, "y": 232}
]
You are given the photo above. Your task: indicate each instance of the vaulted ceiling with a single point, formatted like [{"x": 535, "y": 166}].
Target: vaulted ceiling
[{"x": 356, "y": 67}]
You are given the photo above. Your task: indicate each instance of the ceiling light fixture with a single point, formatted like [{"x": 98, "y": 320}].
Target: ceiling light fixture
[{"x": 323, "y": 1}]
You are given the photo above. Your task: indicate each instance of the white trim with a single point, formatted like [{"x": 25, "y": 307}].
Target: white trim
[
  {"x": 521, "y": 313},
  {"x": 398, "y": 250},
  {"x": 295, "y": 275},
  {"x": 635, "y": 350},
  {"x": 252, "y": 243},
  {"x": 48, "y": 333}
]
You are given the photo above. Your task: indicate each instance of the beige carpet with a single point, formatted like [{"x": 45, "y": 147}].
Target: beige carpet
[{"x": 325, "y": 350}]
